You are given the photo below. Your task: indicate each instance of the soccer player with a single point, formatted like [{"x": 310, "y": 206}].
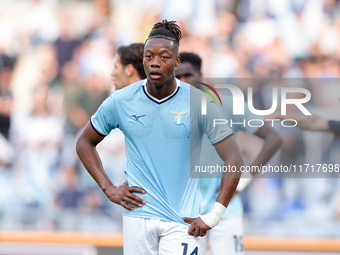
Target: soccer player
[
  {"x": 227, "y": 236},
  {"x": 312, "y": 123},
  {"x": 163, "y": 135},
  {"x": 128, "y": 65}
]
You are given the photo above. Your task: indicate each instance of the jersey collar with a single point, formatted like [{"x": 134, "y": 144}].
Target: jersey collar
[{"x": 178, "y": 83}]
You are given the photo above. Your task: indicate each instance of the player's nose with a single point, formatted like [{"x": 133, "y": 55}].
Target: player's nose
[{"x": 155, "y": 62}]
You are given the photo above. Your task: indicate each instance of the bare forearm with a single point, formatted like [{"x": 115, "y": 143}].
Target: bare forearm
[
  {"x": 86, "y": 149},
  {"x": 272, "y": 143},
  {"x": 306, "y": 122},
  {"x": 229, "y": 151},
  {"x": 314, "y": 123},
  {"x": 229, "y": 182},
  {"x": 91, "y": 161}
]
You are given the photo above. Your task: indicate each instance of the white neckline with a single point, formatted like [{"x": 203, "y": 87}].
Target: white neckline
[{"x": 178, "y": 84}]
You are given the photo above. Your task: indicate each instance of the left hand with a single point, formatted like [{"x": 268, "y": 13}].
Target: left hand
[{"x": 198, "y": 227}]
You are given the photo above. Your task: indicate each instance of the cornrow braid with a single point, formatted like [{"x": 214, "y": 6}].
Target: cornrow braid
[{"x": 166, "y": 29}]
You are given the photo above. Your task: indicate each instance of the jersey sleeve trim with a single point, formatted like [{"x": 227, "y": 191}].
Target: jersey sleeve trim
[
  {"x": 95, "y": 128},
  {"x": 222, "y": 139}
]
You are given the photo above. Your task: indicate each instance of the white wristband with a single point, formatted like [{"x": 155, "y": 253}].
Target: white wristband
[
  {"x": 214, "y": 217},
  {"x": 244, "y": 181}
]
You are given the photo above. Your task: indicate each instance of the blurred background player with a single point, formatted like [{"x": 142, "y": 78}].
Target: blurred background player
[
  {"x": 307, "y": 122},
  {"x": 158, "y": 165},
  {"x": 6, "y": 95},
  {"x": 128, "y": 65},
  {"x": 81, "y": 104},
  {"x": 227, "y": 236}
]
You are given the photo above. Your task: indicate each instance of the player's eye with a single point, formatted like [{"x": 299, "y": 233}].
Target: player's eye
[
  {"x": 147, "y": 56},
  {"x": 165, "y": 57}
]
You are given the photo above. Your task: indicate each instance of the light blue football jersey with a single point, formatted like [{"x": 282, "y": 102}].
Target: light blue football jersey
[
  {"x": 163, "y": 140},
  {"x": 209, "y": 157}
]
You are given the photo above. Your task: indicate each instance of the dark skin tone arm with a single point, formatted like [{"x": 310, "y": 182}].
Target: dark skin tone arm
[
  {"x": 229, "y": 151},
  {"x": 306, "y": 122},
  {"x": 272, "y": 142},
  {"x": 86, "y": 149}
]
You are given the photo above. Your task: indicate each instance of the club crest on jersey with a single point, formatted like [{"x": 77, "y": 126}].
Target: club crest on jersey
[{"x": 178, "y": 118}]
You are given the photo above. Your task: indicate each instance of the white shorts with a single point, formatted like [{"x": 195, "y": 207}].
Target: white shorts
[
  {"x": 226, "y": 238},
  {"x": 156, "y": 237}
]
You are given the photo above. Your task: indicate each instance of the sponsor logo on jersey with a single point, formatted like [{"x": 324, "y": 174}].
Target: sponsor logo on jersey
[{"x": 136, "y": 117}]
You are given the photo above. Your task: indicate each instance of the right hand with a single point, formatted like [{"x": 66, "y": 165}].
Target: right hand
[{"x": 123, "y": 193}]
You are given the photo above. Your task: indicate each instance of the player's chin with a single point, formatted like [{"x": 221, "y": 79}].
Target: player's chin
[
  {"x": 115, "y": 84},
  {"x": 157, "y": 81},
  {"x": 117, "y": 87}
]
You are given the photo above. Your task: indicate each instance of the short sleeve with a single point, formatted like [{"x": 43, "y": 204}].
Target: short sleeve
[
  {"x": 214, "y": 125},
  {"x": 106, "y": 117},
  {"x": 334, "y": 126}
]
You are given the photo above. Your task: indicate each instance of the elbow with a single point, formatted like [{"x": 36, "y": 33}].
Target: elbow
[
  {"x": 79, "y": 146},
  {"x": 239, "y": 161},
  {"x": 241, "y": 164},
  {"x": 280, "y": 142},
  {"x": 277, "y": 141}
]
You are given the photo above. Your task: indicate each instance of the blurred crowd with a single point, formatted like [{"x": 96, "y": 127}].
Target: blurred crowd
[{"x": 55, "y": 64}]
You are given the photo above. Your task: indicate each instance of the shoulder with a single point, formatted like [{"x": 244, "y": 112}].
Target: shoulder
[
  {"x": 123, "y": 95},
  {"x": 188, "y": 87},
  {"x": 129, "y": 92},
  {"x": 190, "y": 90}
]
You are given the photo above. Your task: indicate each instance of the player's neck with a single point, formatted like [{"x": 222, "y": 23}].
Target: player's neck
[
  {"x": 163, "y": 90},
  {"x": 134, "y": 79}
]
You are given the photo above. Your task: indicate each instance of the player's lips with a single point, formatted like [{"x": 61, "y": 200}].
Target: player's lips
[{"x": 155, "y": 75}]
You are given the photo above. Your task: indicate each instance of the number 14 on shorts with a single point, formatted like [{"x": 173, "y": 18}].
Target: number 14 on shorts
[{"x": 185, "y": 250}]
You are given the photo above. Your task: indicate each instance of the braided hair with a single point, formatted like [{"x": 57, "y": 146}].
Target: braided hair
[{"x": 167, "y": 30}]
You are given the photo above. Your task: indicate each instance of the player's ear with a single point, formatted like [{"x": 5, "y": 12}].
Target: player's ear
[
  {"x": 128, "y": 69},
  {"x": 178, "y": 60}
]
